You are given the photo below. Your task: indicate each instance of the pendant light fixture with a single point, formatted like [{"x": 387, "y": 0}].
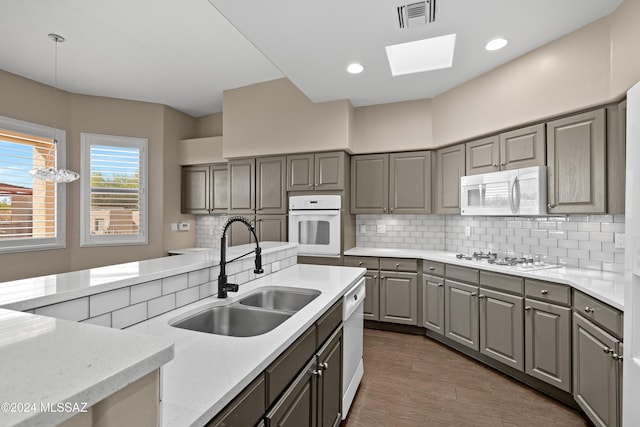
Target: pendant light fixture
[{"x": 50, "y": 173}]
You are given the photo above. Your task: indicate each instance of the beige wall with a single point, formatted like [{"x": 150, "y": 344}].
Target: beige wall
[
  {"x": 210, "y": 125},
  {"x": 625, "y": 57},
  {"x": 177, "y": 126},
  {"x": 392, "y": 127},
  {"x": 24, "y": 99},
  {"x": 275, "y": 117}
]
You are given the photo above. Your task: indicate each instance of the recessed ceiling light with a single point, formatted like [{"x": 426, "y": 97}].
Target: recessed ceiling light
[
  {"x": 496, "y": 44},
  {"x": 355, "y": 68},
  {"x": 421, "y": 55}
]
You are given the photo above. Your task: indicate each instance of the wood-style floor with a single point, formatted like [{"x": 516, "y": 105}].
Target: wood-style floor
[{"x": 411, "y": 380}]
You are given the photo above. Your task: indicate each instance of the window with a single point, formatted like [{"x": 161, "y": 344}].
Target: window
[
  {"x": 114, "y": 198},
  {"x": 32, "y": 212}
]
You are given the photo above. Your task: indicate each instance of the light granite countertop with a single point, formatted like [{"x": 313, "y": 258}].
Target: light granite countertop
[
  {"x": 605, "y": 286},
  {"x": 45, "y": 360},
  {"x": 208, "y": 370},
  {"x": 26, "y": 294}
]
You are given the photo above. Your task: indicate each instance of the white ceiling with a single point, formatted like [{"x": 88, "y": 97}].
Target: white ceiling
[{"x": 184, "y": 53}]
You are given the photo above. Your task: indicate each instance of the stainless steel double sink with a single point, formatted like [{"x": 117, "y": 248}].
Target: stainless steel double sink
[{"x": 255, "y": 314}]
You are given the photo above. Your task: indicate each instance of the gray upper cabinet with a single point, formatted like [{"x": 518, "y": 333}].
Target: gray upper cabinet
[
  {"x": 461, "y": 313},
  {"x": 242, "y": 185},
  {"x": 398, "y": 183},
  {"x": 319, "y": 171},
  {"x": 369, "y": 184},
  {"x": 596, "y": 372},
  {"x": 410, "y": 182},
  {"x": 616, "y": 157},
  {"x": 195, "y": 190},
  {"x": 270, "y": 189},
  {"x": 271, "y": 228},
  {"x": 483, "y": 155},
  {"x": 523, "y": 148},
  {"x": 450, "y": 166},
  {"x": 204, "y": 189},
  {"x": 576, "y": 160},
  {"x": 501, "y": 327},
  {"x": 515, "y": 149}
]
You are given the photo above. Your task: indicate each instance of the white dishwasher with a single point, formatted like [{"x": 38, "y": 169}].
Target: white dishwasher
[{"x": 352, "y": 365}]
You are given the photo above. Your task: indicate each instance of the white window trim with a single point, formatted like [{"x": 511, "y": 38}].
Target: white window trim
[
  {"x": 60, "y": 241},
  {"x": 86, "y": 239}
]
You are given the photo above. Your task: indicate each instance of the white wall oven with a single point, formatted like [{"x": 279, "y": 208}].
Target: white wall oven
[{"x": 314, "y": 224}]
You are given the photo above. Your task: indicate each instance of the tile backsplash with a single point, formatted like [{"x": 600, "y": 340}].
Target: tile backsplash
[
  {"x": 585, "y": 241},
  {"x": 208, "y": 229}
]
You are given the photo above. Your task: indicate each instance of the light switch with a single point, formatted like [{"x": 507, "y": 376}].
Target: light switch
[
  {"x": 363, "y": 228},
  {"x": 618, "y": 240},
  {"x": 467, "y": 230},
  {"x": 174, "y": 226},
  {"x": 183, "y": 226}
]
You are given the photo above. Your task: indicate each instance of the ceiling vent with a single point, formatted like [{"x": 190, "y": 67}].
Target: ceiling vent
[{"x": 417, "y": 14}]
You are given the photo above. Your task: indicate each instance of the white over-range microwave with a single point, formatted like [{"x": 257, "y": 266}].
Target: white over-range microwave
[{"x": 513, "y": 192}]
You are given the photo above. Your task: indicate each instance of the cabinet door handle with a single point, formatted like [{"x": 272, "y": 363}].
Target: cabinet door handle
[
  {"x": 550, "y": 205},
  {"x": 495, "y": 165},
  {"x": 481, "y": 296},
  {"x": 473, "y": 294},
  {"x": 397, "y": 265},
  {"x": 375, "y": 277},
  {"x": 503, "y": 164},
  {"x": 544, "y": 292},
  {"x": 324, "y": 366},
  {"x": 384, "y": 209},
  {"x": 528, "y": 308},
  {"x": 432, "y": 268},
  {"x": 440, "y": 285},
  {"x": 616, "y": 356},
  {"x": 382, "y": 277},
  {"x": 316, "y": 372},
  {"x": 360, "y": 263},
  {"x": 588, "y": 309},
  {"x": 607, "y": 349}
]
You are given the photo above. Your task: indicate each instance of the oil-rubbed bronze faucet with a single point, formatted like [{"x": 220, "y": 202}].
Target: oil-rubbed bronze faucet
[{"x": 223, "y": 286}]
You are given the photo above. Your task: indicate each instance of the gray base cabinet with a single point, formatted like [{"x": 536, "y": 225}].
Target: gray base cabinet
[
  {"x": 399, "y": 297},
  {"x": 245, "y": 410},
  {"x": 461, "y": 313},
  {"x": 315, "y": 396},
  {"x": 548, "y": 343},
  {"x": 501, "y": 327},
  {"x": 372, "y": 296},
  {"x": 433, "y": 303},
  {"x": 597, "y": 362}
]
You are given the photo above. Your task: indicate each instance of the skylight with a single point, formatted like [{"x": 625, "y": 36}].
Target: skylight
[{"x": 421, "y": 55}]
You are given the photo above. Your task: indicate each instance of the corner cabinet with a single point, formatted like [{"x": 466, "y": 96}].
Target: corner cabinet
[
  {"x": 204, "y": 189},
  {"x": 316, "y": 171},
  {"x": 577, "y": 164},
  {"x": 450, "y": 167}
]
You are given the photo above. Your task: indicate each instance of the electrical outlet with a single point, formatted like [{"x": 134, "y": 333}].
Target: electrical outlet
[
  {"x": 381, "y": 228},
  {"x": 363, "y": 228},
  {"x": 174, "y": 226},
  {"x": 618, "y": 240},
  {"x": 467, "y": 230}
]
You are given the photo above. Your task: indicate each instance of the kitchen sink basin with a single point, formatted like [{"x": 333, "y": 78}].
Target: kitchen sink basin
[
  {"x": 290, "y": 299},
  {"x": 233, "y": 320}
]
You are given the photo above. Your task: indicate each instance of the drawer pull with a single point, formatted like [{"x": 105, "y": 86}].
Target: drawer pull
[
  {"x": 528, "y": 308},
  {"x": 544, "y": 292},
  {"x": 360, "y": 263},
  {"x": 432, "y": 268},
  {"x": 588, "y": 309},
  {"x": 607, "y": 349},
  {"x": 397, "y": 264},
  {"x": 481, "y": 296}
]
